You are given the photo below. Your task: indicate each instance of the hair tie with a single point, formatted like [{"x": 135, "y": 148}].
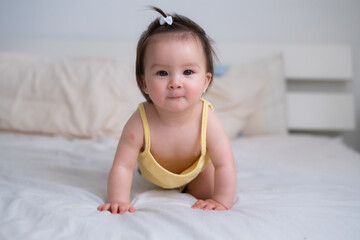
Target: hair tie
[{"x": 167, "y": 20}]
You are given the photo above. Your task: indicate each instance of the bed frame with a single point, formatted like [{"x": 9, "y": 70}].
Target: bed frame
[{"x": 327, "y": 108}]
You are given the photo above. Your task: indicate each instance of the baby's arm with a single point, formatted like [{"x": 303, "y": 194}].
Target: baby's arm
[
  {"x": 121, "y": 173},
  {"x": 219, "y": 148}
]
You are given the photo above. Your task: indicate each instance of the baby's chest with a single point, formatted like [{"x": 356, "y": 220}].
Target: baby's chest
[{"x": 176, "y": 152}]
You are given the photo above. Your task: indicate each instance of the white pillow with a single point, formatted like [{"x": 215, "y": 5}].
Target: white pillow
[
  {"x": 250, "y": 98},
  {"x": 94, "y": 97},
  {"x": 88, "y": 97}
]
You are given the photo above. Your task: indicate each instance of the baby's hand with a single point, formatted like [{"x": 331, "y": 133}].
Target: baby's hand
[
  {"x": 117, "y": 207},
  {"x": 209, "y": 204}
]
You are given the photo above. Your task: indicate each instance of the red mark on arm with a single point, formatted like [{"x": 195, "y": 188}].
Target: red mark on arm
[{"x": 132, "y": 136}]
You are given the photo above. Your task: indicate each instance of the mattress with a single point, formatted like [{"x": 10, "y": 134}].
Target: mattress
[{"x": 288, "y": 187}]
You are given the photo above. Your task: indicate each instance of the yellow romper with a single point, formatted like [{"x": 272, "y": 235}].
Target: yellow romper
[{"x": 152, "y": 171}]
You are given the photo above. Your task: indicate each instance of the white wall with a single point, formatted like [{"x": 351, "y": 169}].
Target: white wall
[{"x": 261, "y": 21}]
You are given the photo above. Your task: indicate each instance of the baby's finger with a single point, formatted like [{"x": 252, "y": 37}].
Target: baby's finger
[
  {"x": 114, "y": 208},
  {"x": 200, "y": 204},
  {"x": 124, "y": 209},
  {"x": 219, "y": 208},
  {"x": 209, "y": 206},
  {"x": 104, "y": 207},
  {"x": 132, "y": 209}
]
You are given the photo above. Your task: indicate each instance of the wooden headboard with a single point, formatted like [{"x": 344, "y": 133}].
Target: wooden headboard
[{"x": 322, "y": 108}]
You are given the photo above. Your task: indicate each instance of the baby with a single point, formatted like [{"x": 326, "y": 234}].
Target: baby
[{"x": 188, "y": 149}]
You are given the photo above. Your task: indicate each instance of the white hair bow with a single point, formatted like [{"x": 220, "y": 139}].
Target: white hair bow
[{"x": 167, "y": 20}]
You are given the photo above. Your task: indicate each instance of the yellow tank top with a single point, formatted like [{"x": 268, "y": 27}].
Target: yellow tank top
[{"x": 152, "y": 171}]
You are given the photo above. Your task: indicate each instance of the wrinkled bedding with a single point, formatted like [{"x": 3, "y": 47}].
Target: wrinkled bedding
[{"x": 289, "y": 187}]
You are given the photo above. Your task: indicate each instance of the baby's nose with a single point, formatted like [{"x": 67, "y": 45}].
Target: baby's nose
[{"x": 175, "y": 84}]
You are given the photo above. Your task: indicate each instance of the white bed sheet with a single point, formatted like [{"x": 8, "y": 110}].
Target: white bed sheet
[{"x": 289, "y": 187}]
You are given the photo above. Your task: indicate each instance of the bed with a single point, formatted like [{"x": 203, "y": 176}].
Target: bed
[{"x": 62, "y": 108}]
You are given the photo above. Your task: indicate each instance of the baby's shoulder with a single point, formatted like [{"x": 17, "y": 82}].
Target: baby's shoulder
[
  {"x": 215, "y": 128},
  {"x": 135, "y": 120},
  {"x": 133, "y": 129},
  {"x": 213, "y": 119}
]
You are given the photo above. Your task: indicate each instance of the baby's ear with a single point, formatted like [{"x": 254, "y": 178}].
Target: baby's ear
[
  {"x": 208, "y": 77},
  {"x": 144, "y": 84}
]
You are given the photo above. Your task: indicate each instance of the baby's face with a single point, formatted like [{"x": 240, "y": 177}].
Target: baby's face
[{"x": 175, "y": 71}]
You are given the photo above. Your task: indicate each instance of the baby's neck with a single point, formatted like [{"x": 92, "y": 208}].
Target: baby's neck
[{"x": 177, "y": 118}]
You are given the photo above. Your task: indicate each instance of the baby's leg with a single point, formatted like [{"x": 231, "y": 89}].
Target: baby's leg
[{"x": 202, "y": 187}]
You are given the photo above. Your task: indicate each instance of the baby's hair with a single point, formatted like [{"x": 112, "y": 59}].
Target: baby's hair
[
  {"x": 159, "y": 11},
  {"x": 180, "y": 24}
]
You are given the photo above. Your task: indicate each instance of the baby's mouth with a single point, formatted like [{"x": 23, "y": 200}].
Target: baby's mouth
[{"x": 175, "y": 96}]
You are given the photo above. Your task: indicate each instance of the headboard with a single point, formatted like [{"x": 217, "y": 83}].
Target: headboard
[
  {"x": 322, "y": 108},
  {"x": 308, "y": 109}
]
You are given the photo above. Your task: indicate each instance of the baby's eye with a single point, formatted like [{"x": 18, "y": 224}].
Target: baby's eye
[
  {"x": 188, "y": 72},
  {"x": 162, "y": 73}
]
